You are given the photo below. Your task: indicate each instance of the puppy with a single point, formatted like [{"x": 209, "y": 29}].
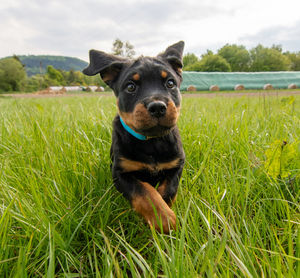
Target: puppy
[{"x": 146, "y": 151}]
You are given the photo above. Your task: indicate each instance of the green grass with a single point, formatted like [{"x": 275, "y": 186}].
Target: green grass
[
  {"x": 237, "y": 205},
  {"x": 261, "y": 91}
]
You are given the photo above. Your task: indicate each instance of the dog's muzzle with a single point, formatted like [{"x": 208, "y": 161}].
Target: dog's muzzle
[{"x": 157, "y": 109}]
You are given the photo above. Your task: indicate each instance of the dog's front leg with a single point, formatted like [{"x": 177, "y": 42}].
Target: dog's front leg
[
  {"x": 168, "y": 188},
  {"x": 146, "y": 201}
]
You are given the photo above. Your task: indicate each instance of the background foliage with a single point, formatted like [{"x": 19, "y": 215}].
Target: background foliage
[
  {"x": 37, "y": 64},
  {"x": 45, "y": 71},
  {"x": 257, "y": 59},
  {"x": 12, "y": 74}
]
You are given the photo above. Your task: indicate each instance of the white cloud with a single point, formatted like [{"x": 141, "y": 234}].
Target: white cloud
[
  {"x": 287, "y": 36},
  {"x": 73, "y": 27}
]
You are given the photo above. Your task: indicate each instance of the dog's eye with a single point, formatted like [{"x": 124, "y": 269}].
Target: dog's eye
[
  {"x": 131, "y": 87},
  {"x": 170, "y": 83}
]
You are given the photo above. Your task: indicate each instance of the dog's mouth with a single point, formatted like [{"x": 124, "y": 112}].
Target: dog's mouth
[
  {"x": 153, "y": 119},
  {"x": 156, "y": 131}
]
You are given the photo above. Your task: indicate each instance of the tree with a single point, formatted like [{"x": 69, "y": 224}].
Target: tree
[
  {"x": 194, "y": 67},
  {"x": 237, "y": 56},
  {"x": 129, "y": 50},
  {"x": 54, "y": 76},
  {"x": 278, "y": 47},
  {"x": 94, "y": 80},
  {"x": 118, "y": 47},
  {"x": 208, "y": 52},
  {"x": 35, "y": 83},
  {"x": 268, "y": 59},
  {"x": 214, "y": 63},
  {"x": 294, "y": 59},
  {"x": 71, "y": 77},
  {"x": 123, "y": 49},
  {"x": 189, "y": 59},
  {"x": 78, "y": 78},
  {"x": 211, "y": 63},
  {"x": 12, "y": 74}
]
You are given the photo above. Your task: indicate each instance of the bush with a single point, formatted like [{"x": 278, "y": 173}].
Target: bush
[
  {"x": 12, "y": 74},
  {"x": 210, "y": 63},
  {"x": 237, "y": 56},
  {"x": 268, "y": 59},
  {"x": 35, "y": 83}
]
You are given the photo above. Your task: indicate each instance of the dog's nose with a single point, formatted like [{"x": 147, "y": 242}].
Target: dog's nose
[{"x": 157, "y": 108}]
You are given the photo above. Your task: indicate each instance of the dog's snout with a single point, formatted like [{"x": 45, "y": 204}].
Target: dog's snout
[{"x": 157, "y": 108}]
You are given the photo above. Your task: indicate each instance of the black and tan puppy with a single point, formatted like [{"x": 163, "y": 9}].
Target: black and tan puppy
[{"x": 146, "y": 152}]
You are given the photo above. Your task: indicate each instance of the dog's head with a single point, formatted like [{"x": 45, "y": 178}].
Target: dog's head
[{"x": 147, "y": 88}]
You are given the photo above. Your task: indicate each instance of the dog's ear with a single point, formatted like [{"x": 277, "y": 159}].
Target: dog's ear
[
  {"x": 107, "y": 65},
  {"x": 173, "y": 55}
]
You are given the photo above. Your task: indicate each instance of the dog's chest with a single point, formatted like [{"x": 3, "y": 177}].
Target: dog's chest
[{"x": 156, "y": 152}]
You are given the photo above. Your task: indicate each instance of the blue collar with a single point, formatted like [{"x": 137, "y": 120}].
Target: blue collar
[{"x": 132, "y": 132}]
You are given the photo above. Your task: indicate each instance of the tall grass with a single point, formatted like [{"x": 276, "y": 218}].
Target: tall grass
[{"x": 60, "y": 215}]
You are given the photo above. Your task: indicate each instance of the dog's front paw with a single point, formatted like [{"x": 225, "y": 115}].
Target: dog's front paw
[
  {"x": 154, "y": 209},
  {"x": 161, "y": 218}
]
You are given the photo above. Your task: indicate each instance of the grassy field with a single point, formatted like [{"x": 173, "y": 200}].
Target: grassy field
[{"x": 237, "y": 206}]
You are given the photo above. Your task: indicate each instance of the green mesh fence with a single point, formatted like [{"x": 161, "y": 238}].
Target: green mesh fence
[{"x": 250, "y": 80}]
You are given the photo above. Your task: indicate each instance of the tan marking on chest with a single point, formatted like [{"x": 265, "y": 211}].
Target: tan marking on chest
[{"x": 131, "y": 165}]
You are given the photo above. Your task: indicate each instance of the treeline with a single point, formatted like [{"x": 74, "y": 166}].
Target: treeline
[
  {"x": 236, "y": 58},
  {"x": 37, "y": 64},
  {"x": 231, "y": 57},
  {"x": 13, "y": 77}
]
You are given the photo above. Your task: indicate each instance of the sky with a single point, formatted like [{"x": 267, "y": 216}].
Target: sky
[{"x": 72, "y": 27}]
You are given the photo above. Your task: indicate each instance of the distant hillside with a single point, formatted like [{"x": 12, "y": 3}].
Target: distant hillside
[{"x": 35, "y": 64}]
